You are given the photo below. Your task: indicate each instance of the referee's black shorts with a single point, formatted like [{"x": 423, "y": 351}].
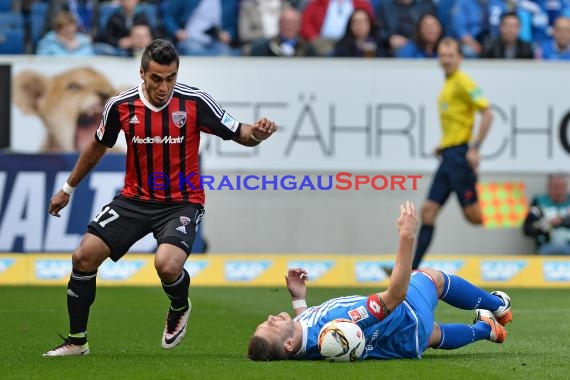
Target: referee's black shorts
[
  {"x": 454, "y": 174},
  {"x": 124, "y": 221}
]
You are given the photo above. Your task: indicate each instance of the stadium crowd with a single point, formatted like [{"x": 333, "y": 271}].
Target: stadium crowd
[{"x": 504, "y": 29}]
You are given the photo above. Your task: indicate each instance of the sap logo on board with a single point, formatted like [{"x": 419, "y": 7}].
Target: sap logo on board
[
  {"x": 244, "y": 270},
  {"x": 52, "y": 269},
  {"x": 122, "y": 270},
  {"x": 556, "y": 271},
  {"x": 447, "y": 266},
  {"x": 195, "y": 267},
  {"x": 315, "y": 269},
  {"x": 501, "y": 270},
  {"x": 5, "y": 264},
  {"x": 372, "y": 271}
]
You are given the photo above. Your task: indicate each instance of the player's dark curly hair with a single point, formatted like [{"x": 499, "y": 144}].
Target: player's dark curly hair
[
  {"x": 160, "y": 51},
  {"x": 259, "y": 349}
]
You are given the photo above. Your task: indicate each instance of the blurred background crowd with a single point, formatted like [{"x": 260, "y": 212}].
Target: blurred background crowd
[{"x": 503, "y": 29}]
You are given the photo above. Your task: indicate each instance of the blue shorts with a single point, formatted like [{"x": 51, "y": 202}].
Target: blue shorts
[
  {"x": 454, "y": 175},
  {"x": 423, "y": 299}
]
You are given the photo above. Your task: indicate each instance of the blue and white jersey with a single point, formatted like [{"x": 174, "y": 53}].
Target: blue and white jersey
[{"x": 404, "y": 333}]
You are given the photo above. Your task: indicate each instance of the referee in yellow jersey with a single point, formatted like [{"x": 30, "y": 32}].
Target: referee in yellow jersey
[{"x": 458, "y": 102}]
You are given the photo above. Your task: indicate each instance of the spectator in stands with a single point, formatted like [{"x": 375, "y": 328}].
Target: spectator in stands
[
  {"x": 470, "y": 19},
  {"x": 548, "y": 219},
  {"x": 141, "y": 37},
  {"x": 118, "y": 29},
  {"x": 559, "y": 46},
  {"x": 84, "y": 12},
  {"x": 361, "y": 37},
  {"x": 427, "y": 37},
  {"x": 399, "y": 19},
  {"x": 554, "y": 9},
  {"x": 288, "y": 43},
  {"x": 259, "y": 20},
  {"x": 202, "y": 27},
  {"x": 65, "y": 39},
  {"x": 508, "y": 45},
  {"x": 324, "y": 21},
  {"x": 534, "y": 20}
]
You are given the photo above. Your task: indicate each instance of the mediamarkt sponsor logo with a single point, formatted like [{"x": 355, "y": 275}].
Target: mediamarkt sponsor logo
[{"x": 158, "y": 140}]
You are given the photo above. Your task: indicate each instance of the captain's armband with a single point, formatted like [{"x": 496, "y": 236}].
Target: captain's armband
[{"x": 377, "y": 307}]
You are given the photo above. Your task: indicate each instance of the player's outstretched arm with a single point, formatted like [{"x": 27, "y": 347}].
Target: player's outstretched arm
[
  {"x": 295, "y": 279},
  {"x": 87, "y": 160},
  {"x": 407, "y": 226},
  {"x": 252, "y": 135}
]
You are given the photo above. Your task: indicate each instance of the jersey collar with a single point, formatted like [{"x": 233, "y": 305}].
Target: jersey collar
[
  {"x": 148, "y": 104},
  {"x": 303, "y": 348}
]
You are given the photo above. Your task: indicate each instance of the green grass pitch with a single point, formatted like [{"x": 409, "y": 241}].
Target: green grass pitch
[{"x": 126, "y": 326}]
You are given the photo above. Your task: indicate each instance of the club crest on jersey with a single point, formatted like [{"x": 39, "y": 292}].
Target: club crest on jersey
[
  {"x": 184, "y": 220},
  {"x": 179, "y": 118}
]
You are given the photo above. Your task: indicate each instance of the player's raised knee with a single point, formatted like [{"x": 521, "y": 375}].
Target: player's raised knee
[{"x": 437, "y": 278}]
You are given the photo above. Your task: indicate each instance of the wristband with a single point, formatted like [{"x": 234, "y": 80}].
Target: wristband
[
  {"x": 255, "y": 138},
  {"x": 475, "y": 145},
  {"x": 67, "y": 189},
  {"x": 299, "y": 303}
]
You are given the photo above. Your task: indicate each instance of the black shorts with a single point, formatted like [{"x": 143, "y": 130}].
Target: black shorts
[
  {"x": 454, "y": 175},
  {"x": 124, "y": 221}
]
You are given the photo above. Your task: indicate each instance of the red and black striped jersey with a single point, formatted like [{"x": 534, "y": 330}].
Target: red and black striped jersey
[{"x": 163, "y": 143}]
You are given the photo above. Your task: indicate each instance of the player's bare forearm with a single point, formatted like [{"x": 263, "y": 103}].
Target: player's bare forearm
[
  {"x": 484, "y": 126},
  {"x": 88, "y": 159},
  {"x": 252, "y": 135},
  {"x": 400, "y": 278},
  {"x": 295, "y": 279}
]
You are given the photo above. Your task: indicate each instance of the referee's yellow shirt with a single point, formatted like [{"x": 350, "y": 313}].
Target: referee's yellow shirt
[{"x": 458, "y": 101}]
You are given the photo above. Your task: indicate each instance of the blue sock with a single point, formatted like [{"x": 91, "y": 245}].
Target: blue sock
[
  {"x": 455, "y": 335},
  {"x": 424, "y": 240},
  {"x": 464, "y": 295}
]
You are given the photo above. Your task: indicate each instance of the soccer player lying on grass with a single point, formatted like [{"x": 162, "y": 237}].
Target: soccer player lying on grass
[{"x": 398, "y": 322}]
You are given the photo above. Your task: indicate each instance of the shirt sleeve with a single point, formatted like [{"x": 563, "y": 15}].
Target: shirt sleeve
[
  {"x": 213, "y": 119},
  {"x": 459, "y": 19},
  {"x": 474, "y": 93},
  {"x": 109, "y": 127}
]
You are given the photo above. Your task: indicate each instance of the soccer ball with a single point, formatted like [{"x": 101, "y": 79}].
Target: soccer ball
[{"x": 341, "y": 340}]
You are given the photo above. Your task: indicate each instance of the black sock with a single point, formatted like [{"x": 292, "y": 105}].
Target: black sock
[
  {"x": 80, "y": 295},
  {"x": 177, "y": 291},
  {"x": 424, "y": 239}
]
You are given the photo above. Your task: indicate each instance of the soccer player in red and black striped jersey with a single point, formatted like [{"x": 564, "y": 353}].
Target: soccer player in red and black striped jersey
[{"x": 161, "y": 120}]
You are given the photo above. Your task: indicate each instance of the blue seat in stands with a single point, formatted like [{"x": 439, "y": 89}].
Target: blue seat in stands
[
  {"x": 12, "y": 41},
  {"x": 11, "y": 20},
  {"x": 5, "y": 5}
]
